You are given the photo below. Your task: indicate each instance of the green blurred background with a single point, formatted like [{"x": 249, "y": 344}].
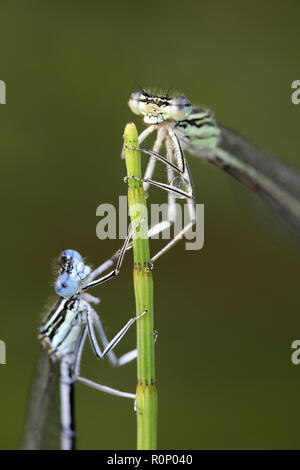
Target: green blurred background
[{"x": 226, "y": 315}]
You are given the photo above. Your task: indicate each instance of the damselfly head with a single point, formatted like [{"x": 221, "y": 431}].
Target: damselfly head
[
  {"x": 66, "y": 285},
  {"x": 157, "y": 109},
  {"x": 72, "y": 271}
]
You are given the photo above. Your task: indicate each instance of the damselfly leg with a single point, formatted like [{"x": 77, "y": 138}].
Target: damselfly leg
[
  {"x": 92, "y": 282},
  {"x": 124, "y": 359},
  {"x": 70, "y": 370}
]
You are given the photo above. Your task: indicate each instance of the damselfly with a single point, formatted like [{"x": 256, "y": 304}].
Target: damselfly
[
  {"x": 63, "y": 335},
  {"x": 162, "y": 114},
  {"x": 183, "y": 127}
]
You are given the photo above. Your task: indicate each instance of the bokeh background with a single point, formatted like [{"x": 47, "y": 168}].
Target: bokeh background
[{"x": 226, "y": 315}]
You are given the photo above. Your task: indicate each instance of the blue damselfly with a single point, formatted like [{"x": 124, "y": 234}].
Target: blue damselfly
[{"x": 63, "y": 334}]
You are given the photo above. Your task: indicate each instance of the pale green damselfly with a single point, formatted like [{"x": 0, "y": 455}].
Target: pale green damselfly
[{"x": 182, "y": 126}]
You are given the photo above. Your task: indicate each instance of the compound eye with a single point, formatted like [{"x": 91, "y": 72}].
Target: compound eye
[
  {"x": 180, "y": 108},
  {"x": 135, "y": 103},
  {"x": 66, "y": 285},
  {"x": 70, "y": 254}
]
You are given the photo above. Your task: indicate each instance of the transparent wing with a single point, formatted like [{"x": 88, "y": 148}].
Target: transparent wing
[
  {"x": 42, "y": 424},
  {"x": 276, "y": 183}
]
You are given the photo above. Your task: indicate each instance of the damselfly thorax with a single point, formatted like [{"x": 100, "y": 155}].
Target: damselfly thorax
[
  {"x": 61, "y": 330},
  {"x": 199, "y": 131}
]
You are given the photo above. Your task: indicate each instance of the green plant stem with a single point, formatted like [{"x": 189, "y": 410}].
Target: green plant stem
[{"x": 146, "y": 393}]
